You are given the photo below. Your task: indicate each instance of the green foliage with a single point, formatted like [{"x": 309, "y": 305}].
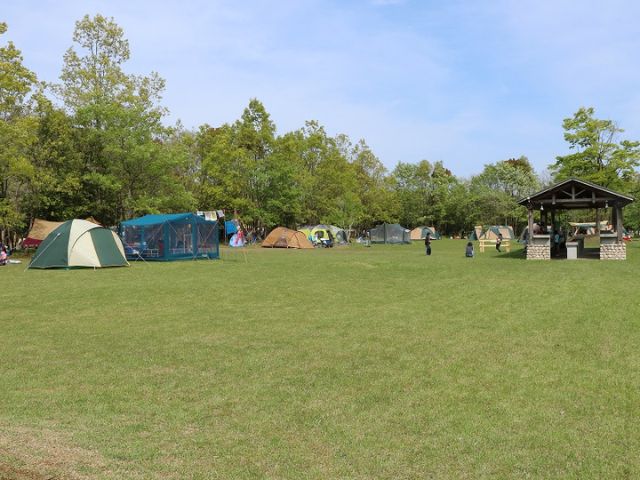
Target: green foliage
[
  {"x": 513, "y": 177},
  {"x": 497, "y": 189},
  {"x": 16, "y": 80},
  {"x": 253, "y": 138},
  {"x": 126, "y": 170},
  {"x": 17, "y": 134},
  {"x": 56, "y": 187},
  {"x": 600, "y": 157},
  {"x": 461, "y": 210},
  {"x": 303, "y": 176},
  {"x": 373, "y": 186},
  {"x": 632, "y": 211},
  {"x": 422, "y": 190}
]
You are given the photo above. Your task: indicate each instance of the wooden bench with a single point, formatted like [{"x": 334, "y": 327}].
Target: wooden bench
[{"x": 492, "y": 243}]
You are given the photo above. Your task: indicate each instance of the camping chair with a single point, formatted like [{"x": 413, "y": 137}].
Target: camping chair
[{"x": 132, "y": 251}]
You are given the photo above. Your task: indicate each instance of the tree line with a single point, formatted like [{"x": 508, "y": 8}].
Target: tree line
[{"x": 95, "y": 145}]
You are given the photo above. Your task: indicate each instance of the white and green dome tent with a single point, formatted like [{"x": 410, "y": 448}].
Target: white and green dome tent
[{"x": 78, "y": 243}]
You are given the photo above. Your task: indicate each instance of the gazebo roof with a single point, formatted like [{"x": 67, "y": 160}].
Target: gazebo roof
[{"x": 575, "y": 194}]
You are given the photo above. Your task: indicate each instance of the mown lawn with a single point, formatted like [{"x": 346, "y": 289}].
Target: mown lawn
[{"x": 345, "y": 363}]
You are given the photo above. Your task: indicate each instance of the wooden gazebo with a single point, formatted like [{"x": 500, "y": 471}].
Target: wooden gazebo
[{"x": 575, "y": 194}]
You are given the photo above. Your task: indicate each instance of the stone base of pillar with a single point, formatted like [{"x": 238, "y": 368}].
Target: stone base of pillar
[
  {"x": 613, "y": 251},
  {"x": 538, "y": 252}
]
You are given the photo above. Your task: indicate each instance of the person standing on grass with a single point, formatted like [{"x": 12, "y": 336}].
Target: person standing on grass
[
  {"x": 427, "y": 243},
  {"x": 498, "y": 242}
]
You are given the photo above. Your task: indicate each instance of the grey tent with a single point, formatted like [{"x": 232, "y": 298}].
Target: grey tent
[{"x": 390, "y": 233}]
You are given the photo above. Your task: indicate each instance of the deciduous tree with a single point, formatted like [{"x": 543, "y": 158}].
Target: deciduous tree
[
  {"x": 118, "y": 117},
  {"x": 600, "y": 155},
  {"x": 17, "y": 134}
]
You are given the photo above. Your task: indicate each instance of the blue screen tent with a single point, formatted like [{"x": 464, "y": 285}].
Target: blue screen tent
[{"x": 176, "y": 236}]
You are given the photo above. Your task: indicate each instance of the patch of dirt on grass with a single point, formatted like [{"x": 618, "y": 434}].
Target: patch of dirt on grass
[
  {"x": 39, "y": 454},
  {"x": 11, "y": 473}
]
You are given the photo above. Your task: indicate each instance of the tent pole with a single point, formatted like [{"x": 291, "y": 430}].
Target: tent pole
[{"x": 194, "y": 238}]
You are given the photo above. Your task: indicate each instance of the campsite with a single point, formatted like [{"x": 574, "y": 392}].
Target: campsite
[
  {"x": 380, "y": 239},
  {"x": 188, "y": 368}
]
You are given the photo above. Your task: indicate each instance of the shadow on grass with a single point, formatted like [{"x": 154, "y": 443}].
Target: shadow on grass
[{"x": 519, "y": 254}]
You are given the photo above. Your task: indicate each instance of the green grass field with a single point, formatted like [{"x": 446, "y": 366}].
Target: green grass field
[{"x": 343, "y": 363}]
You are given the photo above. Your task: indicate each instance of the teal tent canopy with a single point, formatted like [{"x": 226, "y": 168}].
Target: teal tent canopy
[{"x": 167, "y": 237}]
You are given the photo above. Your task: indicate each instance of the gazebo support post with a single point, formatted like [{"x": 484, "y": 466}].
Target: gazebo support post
[
  {"x": 614, "y": 219},
  {"x": 552, "y": 234},
  {"x": 619, "y": 227},
  {"x": 537, "y": 246}
]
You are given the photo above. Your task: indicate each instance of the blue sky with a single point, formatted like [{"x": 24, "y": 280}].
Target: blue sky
[{"x": 465, "y": 82}]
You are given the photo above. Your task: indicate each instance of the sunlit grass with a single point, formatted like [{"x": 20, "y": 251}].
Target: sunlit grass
[{"x": 340, "y": 363}]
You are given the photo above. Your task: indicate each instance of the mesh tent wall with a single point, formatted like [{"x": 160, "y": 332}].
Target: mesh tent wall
[
  {"x": 390, "y": 233},
  {"x": 177, "y": 236}
]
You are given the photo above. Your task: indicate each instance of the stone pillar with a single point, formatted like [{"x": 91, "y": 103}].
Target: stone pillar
[
  {"x": 613, "y": 251},
  {"x": 539, "y": 248},
  {"x": 611, "y": 248}
]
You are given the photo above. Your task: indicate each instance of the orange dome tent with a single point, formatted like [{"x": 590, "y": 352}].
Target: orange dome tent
[{"x": 284, "y": 238}]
